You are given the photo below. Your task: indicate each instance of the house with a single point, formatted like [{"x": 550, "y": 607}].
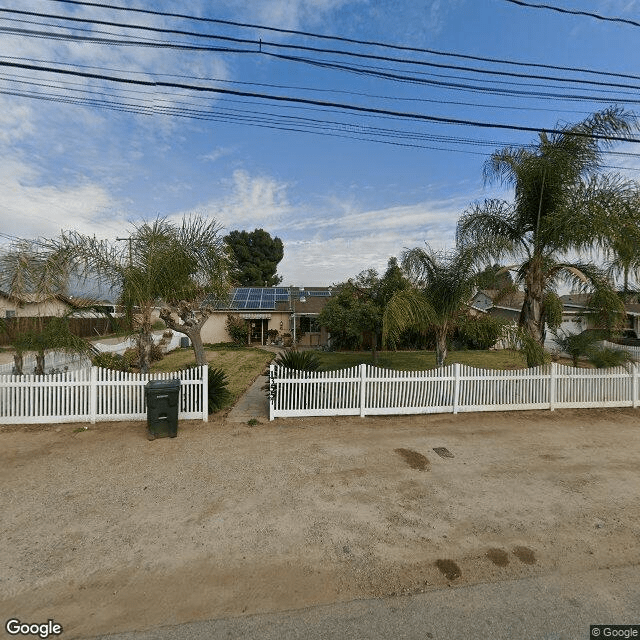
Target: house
[
  {"x": 490, "y": 301},
  {"x": 33, "y": 306},
  {"x": 575, "y": 311},
  {"x": 285, "y": 310}
]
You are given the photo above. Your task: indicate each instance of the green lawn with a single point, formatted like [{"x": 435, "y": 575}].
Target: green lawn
[
  {"x": 421, "y": 360},
  {"x": 242, "y": 365}
]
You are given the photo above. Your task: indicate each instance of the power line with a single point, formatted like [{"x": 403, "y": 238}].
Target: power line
[
  {"x": 517, "y": 107},
  {"x": 574, "y": 12},
  {"x": 373, "y": 43},
  {"x": 278, "y": 45},
  {"x": 332, "y": 65},
  {"x": 308, "y": 101}
]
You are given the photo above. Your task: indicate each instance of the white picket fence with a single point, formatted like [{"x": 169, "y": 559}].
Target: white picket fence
[
  {"x": 61, "y": 360},
  {"x": 366, "y": 390},
  {"x": 95, "y": 394},
  {"x": 634, "y": 351}
]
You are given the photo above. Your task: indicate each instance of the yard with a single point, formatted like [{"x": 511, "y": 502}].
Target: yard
[
  {"x": 241, "y": 364},
  {"x": 104, "y": 531}
]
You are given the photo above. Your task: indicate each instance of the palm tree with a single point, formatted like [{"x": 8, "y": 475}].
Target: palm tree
[
  {"x": 442, "y": 285},
  {"x": 162, "y": 264},
  {"x": 29, "y": 271},
  {"x": 562, "y": 204}
]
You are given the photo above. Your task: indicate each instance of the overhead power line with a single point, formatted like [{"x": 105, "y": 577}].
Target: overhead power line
[
  {"x": 308, "y": 101},
  {"x": 574, "y": 12},
  {"x": 260, "y": 44},
  {"x": 372, "y": 43},
  {"x": 377, "y": 72}
]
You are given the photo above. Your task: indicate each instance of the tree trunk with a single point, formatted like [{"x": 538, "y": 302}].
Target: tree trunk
[
  {"x": 18, "y": 363},
  {"x": 39, "y": 370},
  {"x": 531, "y": 315},
  {"x": 190, "y": 326},
  {"x": 441, "y": 345},
  {"x": 145, "y": 340}
]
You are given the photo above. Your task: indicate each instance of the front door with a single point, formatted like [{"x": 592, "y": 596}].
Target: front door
[{"x": 258, "y": 331}]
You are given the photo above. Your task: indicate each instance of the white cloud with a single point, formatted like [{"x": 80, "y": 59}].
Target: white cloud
[
  {"x": 253, "y": 201},
  {"x": 28, "y": 209}
]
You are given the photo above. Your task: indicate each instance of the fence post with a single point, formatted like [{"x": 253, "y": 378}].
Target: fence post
[
  {"x": 93, "y": 394},
  {"x": 363, "y": 388},
  {"x": 634, "y": 385},
  {"x": 552, "y": 387},
  {"x": 205, "y": 392},
  {"x": 456, "y": 386},
  {"x": 272, "y": 369}
]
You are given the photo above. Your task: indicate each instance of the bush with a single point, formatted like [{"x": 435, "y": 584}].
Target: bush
[
  {"x": 238, "y": 330},
  {"x": 114, "y": 361},
  {"x": 481, "y": 332},
  {"x": 606, "y": 357},
  {"x": 292, "y": 359},
  {"x": 219, "y": 395},
  {"x": 298, "y": 360},
  {"x": 576, "y": 345}
]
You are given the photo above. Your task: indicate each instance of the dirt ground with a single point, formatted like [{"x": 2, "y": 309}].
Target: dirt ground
[{"x": 104, "y": 531}]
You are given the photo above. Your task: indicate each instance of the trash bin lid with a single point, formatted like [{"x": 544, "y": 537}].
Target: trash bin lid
[{"x": 163, "y": 385}]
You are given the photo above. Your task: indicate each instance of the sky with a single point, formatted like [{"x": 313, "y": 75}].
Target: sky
[{"x": 344, "y": 188}]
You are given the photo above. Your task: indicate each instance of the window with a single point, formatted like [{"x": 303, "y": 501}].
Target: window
[
  {"x": 309, "y": 324},
  {"x": 10, "y": 313}
]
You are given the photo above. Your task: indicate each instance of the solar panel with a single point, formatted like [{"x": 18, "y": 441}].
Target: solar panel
[{"x": 319, "y": 294}]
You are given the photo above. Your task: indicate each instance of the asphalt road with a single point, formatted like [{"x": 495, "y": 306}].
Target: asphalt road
[{"x": 552, "y": 607}]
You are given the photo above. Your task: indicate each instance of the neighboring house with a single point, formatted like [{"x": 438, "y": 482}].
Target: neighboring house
[
  {"x": 504, "y": 306},
  {"x": 287, "y": 310},
  {"x": 575, "y": 311},
  {"x": 33, "y": 306}
]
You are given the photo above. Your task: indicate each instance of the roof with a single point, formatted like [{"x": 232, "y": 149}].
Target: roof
[
  {"x": 284, "y": 299},
  {"x": 575, "y": 300},
  {"x": 512, "y": 300}
]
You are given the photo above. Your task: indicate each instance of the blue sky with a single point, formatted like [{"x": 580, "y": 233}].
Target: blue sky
[{"x": 339, "y": 204}]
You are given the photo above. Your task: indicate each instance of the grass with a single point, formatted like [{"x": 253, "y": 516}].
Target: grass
[
  {"x": 242, "y": 365},
  {"x": 422, "y": 360}
]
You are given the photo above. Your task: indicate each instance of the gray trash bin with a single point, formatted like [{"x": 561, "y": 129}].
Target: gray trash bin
[{"x": 162, "y": 408}]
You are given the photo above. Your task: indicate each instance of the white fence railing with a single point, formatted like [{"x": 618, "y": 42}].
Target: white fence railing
[
  {"x": 61, "y": 360},
  {"x": 367, "y": 390},
  {"x": 634, "y": 351},
  {"x": 95, "y": 394}
]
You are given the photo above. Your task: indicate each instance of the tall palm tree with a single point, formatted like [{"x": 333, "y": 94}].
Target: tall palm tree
[
  {"x": 442, "y": 284},
  {"x": 562, "y": 204}
]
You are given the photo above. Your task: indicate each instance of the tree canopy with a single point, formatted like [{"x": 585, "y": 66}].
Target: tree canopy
[
  {"x": 162, "y": 263},
  {"x": 563, "y": 204},
  {"x": 255, "y": 258}
]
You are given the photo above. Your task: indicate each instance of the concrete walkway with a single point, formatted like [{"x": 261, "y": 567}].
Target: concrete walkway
[{"x": 253, "y": 405}]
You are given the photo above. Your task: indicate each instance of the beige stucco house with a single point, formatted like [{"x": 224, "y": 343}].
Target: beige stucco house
[
  {"x": 33, "y": 306},
  {"x": 287, "y": 310}
]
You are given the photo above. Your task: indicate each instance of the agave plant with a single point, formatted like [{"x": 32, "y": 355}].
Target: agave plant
[{"x": 219, "y": 395}]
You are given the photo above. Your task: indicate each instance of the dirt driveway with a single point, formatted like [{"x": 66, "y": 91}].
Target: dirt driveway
[{"x": 104, "y": 531}]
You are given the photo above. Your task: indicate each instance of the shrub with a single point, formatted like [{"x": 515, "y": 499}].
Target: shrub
[
  {"x": 219, "y": 395},
  {"x": 606, "y": 357},
  {"x": 576, "y": 344},
  {"x": 238, "y": 330},
  {"x": 292, "y": 359},
  {"x": 114, "y": 361},
  {"x": 298, "y": 360},
  {"x": 480, "y": 332}
]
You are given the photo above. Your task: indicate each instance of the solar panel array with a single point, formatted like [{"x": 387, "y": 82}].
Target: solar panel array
[{"x": 262, "y": 297}]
